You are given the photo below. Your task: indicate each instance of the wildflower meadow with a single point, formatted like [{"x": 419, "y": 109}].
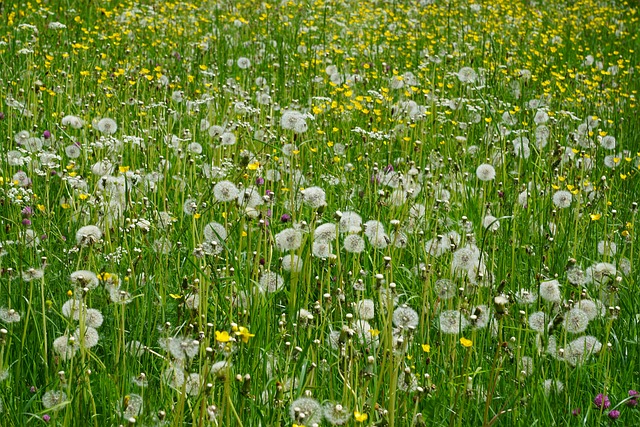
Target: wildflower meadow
[{"x": 319, "y": 212}]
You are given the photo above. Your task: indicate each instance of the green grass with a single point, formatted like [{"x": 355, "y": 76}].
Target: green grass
[{"x": 395, "y": 106}]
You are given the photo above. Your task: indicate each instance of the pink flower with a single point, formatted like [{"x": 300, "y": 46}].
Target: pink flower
[{"x": 602, "y": 401}]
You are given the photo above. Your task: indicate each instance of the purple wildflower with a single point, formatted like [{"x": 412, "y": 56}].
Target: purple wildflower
[
  {"x": 46, "y": 134},
  {"x": 602, "y": 401},
  {"x": 614, "y": 415},
  {"x": 27, "y": 211}
]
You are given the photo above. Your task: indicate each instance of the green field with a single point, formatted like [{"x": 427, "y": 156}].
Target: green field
[{"x": 314, "y": 213}]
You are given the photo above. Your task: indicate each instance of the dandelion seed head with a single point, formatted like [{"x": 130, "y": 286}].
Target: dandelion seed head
[
  {"x": 107, "y": 126},
  {"x": 288, "y": 239},
  {"x": 321, "y": 249},
  {"x": 562, "y": 199},
  {"x": 314, "y": 197},
  {"x": 21, "y": 137},
  {"x": 193, "y": 384},
  {"x": 65, "y": 347},
  {"x": 243, "y": 63},
  {"x": 215, "y": 232},
  {"x": 135, "y": 348},
  {"x": 71, "y": 308},
  {"x": 192, "y": 302},
  {"x": 541, "y": 117},
  {"x": 363, "y": 330},
  {"x": 373, "y": 228},
  {"x": 538, "y": 321},
  {"x": 405, "y": 317},
  {"x": 133, "y": 407},
  {"x": 465, "y": 258},
  {"x": 250, "y": 198},
  {"x": 525, "y": 296},
  {"x": 624, "y": 266},
  {"x": 293, "y": 120},
  {"x": 576, "y": 276},
  {"x": 306, "y": 410},
  {"x": 173, "y": 376},
  {"x": 365, "y": 309},
  {"x": 593, "y": 309},
  {"x": 550, "y": 291},
  {"x": 485, "y": 172},
  {"x": 350, "y": 222},
  {"x": 215, "y": 131},
  {"x": 600, "y": 273},
  {"x": 4, "y": 374},
  {"x": 606, "y": 248},
  {"x": 89, "y": 339},
  {"x": 227, "y": 139},
  {"x": 9, "y": 315},
  {"x": 119, "y": 295},
  {"x": 575, "y": 321},
  {"x": 580, "y": 349},
  {"x": 452, "y": 322},
  {"x": 88, "y": 235},
  {"x": 407, "y": 382},
  {"x": 379, "y": 241},
  {"x": 467, "y": 75},
  {"x": 481, "y": 315},
  {"x": 225, "y": 191},
  {"x": 53, "y": 398},
  {"x": 333, "y": 339},
  {"x": 32, "y": 274},
  {"x": 491, "y": 223},
  {"x": 72, "y": 121},
  {"x": 445, "y": 289},
  {"x": 437, "y": 246},
  {"x": 325, "y": 232},
  {"x": 353, "y": 243},
  {"x": 272, "y": 175},
  {"x": 608, "y": 142},
  {"x": 84, "y": 279},
  {"x": 194, "y": 148},
  {"x": 399, "y": 239},
  {"x": 93, "y": 318},
  {"x": 270, "y": 282},
  {"x": 336, "y": 414},
  {"x": 292, "y": 263}
]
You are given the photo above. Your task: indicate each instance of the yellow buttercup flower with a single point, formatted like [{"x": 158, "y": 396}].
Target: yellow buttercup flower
[
  {"x": 243, "y": 333},
  {"x": 360, "y": 417},
  {"x": 223, "y": 336}
]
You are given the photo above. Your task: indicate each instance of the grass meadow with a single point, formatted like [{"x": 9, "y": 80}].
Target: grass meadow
[{"x": 314, "y": 213}]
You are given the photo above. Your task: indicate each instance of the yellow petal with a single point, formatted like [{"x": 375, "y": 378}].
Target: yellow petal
[
  {"x": 222, "y": 336},
  {"x": 465, "y": 342}
]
